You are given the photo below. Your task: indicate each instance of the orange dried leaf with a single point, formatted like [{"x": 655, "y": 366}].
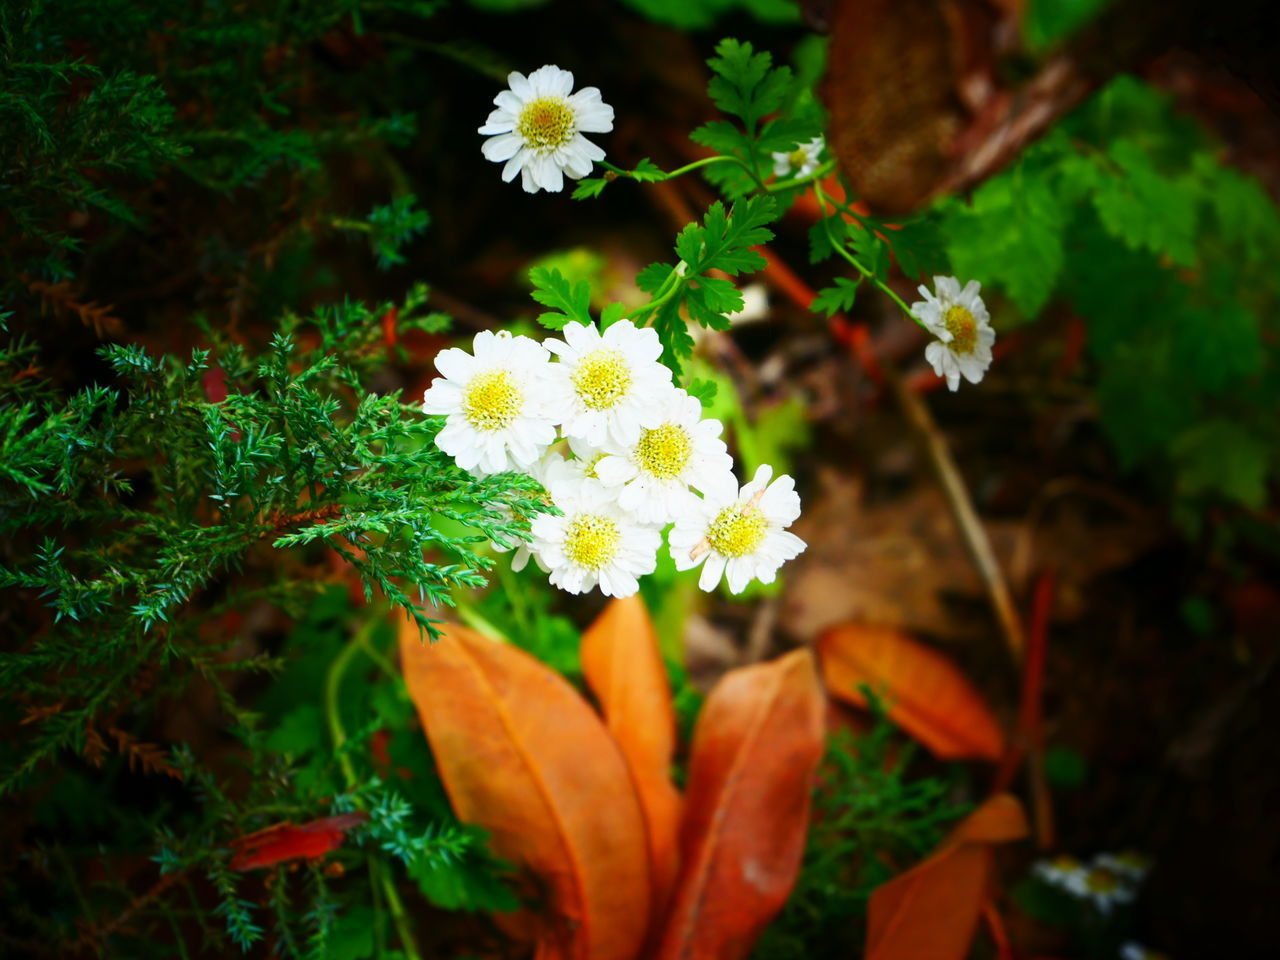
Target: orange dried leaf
[
  {"x": 623, "y": 666},
  {"x": 755, "y": 750},
  {"x": 523, "y": 755},
  {"x": 924, "y": 692},
  {"x": 932, "y": 910}
]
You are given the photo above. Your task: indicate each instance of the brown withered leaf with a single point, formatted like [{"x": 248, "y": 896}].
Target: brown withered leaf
[
  {"x": 623, "y": 667},
  {"x": 523, "y": 755},
  {"x": 932, "y": 910},
  {"x": 923, "y": 691},
  {"x": 755, "y": 749}
]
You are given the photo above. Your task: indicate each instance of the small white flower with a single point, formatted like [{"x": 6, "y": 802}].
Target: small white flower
[
  {"x": 1136, "y": 951},
  {"x": 606, "y": 386},
  {"x": 551, "y": 469},
  {"x": 801, "y": 161},
  {"x": 1065, "y": 872},
  {"x": 742, "y": 535},
  {"x": 680, "y": 451},
  {"x": 959, "y": 319},
  {"x": 595, "y": 542},
  {"x": 538, "y": 129},
  {"x": 493, "y": 401},
  {"x": 1129, "y": 864},
  {"x": 582, "y": 465},
  {"x": 1104, "y": 889}
]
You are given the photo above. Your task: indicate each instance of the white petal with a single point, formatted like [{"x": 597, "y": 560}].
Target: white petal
[
  {"x": 712, "y": 571},
  {"x": 520, "y": 86},
  {"x": 501, "y": 148},
  {"x": 515, "y": 165}
]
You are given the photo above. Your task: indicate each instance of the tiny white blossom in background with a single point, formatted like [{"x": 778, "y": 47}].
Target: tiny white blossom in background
[
  {"x": 681, "y": 451},
  {"x": 801, "y": 161},
  {"x": 1064, "y": 872},
  {"x": 494, "y": 402},
  {"x": 595, "y": 543},
  {"x": 537, "y": 130},
  {"x": 959, "y": 319},
  {"x": 742, "y": 536},
  {"x": 1129, "y": 864},
  {"x": 607, "y": 386},
  {"x": 1104, "y": 889},
  {"x": 1136, "y": 951}
]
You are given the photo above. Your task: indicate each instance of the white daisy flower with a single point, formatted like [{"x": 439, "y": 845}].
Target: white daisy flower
[
  {"x": 606, "y": 386},
  {"x": 959, "y": 319},
  {"x": 1065, "y": 872},
  {"x": 538, "y": 129},
  {"x": 1136, "y": 951},
  {"x": 801, "y": 161},
  {"x": 550, "y": 470},
  {"x": 680, "y": 451},
  {"x": 595, "y": 542},
  {"x": 494, "y": 403},
  {"x": 1129, "y": 864},
  {"x": 1104, "y": 888},
  {"x": 586, "y": 457},
  {"x": 742, "y": 535}
]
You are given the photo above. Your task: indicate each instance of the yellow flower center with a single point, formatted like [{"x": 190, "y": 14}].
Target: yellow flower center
[
  {"x": 1101, "y": 881},
  {"x": 737, "y": 531},
  {"x": 492, "y": 400},
  {"x": 602, "y": 377},
  {"x": 664, "y": 451},
  {"x": 797, "y": 158},
  {"x": 963, "y": 328},
  {"x": 1066, "y": 862},
  {"x": 590, "y": 469},
  {"x": 591, "y": 541},
  {"x": 546, "y": 123}
]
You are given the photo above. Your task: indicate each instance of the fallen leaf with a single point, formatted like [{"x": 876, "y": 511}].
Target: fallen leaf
[
  {"x": 932, "y": 910},
  {"x": 285, "y": 841},
  {"x": 923, "y": 691},
  {"x": 755, "y": 750},
  {"x": 522, "y": 755},
  {"x": 623, "y": 666}
]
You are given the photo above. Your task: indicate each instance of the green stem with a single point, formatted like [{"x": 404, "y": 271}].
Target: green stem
[
  {"x": 670, "y": 287},
  {"x": 779, "y": 185},
  {"x": 332, "y": 689},
  {"x": 839, "y": 247}
]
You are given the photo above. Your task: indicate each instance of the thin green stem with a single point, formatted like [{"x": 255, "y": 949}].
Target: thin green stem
[
  {"x": 332, "y": 689},
  {"x": 669, "y": 288},
  {"x": 779, "y": 185},
  {"x": 839, "y": 247}
]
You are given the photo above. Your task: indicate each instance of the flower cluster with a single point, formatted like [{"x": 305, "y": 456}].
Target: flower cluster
[
  {"x": 640, "y": 457},
  {"x": 1110, "y": 879}
]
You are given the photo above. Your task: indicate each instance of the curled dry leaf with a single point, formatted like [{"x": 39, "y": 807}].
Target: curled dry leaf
[
  {"x": 623, "y": 666},
  {"x": 924, "y": 692},
  {"x": 755, "y": 750},
  {"x": 522, "y": 755},
  {"x": 932, "y": 910}
]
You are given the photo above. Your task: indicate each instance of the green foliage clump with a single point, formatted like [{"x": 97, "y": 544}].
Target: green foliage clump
[
  {"x": 102, "y": 97},
  {"x": 151, "y": 501},
  {"x": 1125, "y": 213}
]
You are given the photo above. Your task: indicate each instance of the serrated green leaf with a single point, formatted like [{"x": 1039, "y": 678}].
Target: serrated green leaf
[
  {"x": 1144, "y": 208},
  {"x": 836, "y": 299},
  {"x": 570, "y": 302},
  {"x": 590, "y": 187},
  {"x": 704, "y": 390}
]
